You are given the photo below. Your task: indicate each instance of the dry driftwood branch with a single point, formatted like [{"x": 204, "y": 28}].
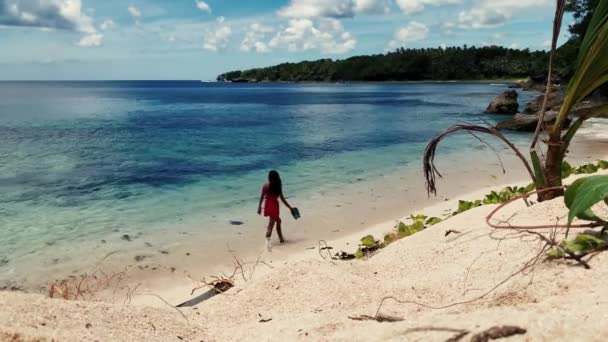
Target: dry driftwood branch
[
  {"x": 379, "y": 318},
  {"x": 451, "y": 231},
  {"x": 495, "y": 333},
  {"x": 431, "y": 172}
]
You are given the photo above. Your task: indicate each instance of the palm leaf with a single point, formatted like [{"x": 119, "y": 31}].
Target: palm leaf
[{"x": 592, "y": 68}]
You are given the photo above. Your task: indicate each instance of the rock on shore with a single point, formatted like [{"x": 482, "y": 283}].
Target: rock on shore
[
  {"x": 556, "y": 98},
  {"x": 527, "y": 122},
  {"x": 505, "y": 103}
]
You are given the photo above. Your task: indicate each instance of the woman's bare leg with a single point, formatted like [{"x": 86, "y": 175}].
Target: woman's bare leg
[
  {"x": 270, "y": 227},
  {"x": 279, "y": 232}
]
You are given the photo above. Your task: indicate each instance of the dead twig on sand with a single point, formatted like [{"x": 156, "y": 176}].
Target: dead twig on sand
[
  {"x": 495, "y": 333},
  {"x": 380, "y": 318},
  {"x": 324, "y": 251}
]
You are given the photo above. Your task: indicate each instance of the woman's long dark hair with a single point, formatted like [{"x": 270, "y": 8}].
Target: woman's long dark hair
[{"x": 275, "y": 186}]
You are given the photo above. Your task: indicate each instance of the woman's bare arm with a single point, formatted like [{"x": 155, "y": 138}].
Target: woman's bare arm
[{"x": 285, "y": 201}]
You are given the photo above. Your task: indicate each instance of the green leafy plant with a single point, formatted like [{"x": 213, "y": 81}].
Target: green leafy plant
[
  {"x": 567, "y": 170},
  {"x": 405, "y": 230},
  {"x": 582, "y": 244},
  {"x": 359, "y": 253},
  {"x": 507, "y": 194},
  {"x": 369, "y": 241},
  {"x": 431, "y": 221},
  {"x": 584, "y": 194},
  {"x": 586, "y": 169},
  {"x": 466, "y": 205}
]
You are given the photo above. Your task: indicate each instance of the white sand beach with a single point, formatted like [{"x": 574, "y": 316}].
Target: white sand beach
[{"x": 472, "y": 280}]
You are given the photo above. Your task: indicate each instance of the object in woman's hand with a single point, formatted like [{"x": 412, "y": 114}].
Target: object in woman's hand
[{"x": 295, "y": 213}]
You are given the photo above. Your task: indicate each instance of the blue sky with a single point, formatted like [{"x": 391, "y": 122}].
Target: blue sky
[{"x": 194, "y": 39}]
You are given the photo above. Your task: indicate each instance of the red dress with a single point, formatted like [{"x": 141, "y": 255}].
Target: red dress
[{"x": 271, "y": 203}]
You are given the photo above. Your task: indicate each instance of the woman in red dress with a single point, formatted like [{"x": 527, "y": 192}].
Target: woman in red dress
[{"x": 271, "y": 192}]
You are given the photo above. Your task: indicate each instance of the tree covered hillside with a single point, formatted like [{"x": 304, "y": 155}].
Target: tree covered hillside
[{"x": 452, "y": 63}]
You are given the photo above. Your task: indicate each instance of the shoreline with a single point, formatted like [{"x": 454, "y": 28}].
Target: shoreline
[
  {"x": 170, "y": 269},
  {"x": 303, "y": 296}
]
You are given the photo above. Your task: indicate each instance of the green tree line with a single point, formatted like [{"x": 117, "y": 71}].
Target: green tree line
[{"x": 451, "y": 63}]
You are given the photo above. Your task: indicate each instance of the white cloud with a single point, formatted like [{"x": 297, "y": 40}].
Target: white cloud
[
  {"x": 217, "y": 39},
  {"x": 494, "y": 13},
  {"x": 327, "y": 35},
  {"x": 415, "y": 6},
  {"x": 107, "y": 24},
  {"x": 134, "y": 11},
  {"x": 57, "y": 14},
  {"x": 254, "y": 38},
  {"x": 333, "y": 8},
  {"x": 413, "y": 32},
  {"x": 372, "y": 6},
  {"x": 203, "y": 6},
  {"x": 92, "y": 40}
]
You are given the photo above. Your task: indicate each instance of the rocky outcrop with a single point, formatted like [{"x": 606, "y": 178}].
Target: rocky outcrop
[
  {"x": 526, "y": 122},
  {"x": 556, "y": 98},
  {"x": 505, "y": 103}
]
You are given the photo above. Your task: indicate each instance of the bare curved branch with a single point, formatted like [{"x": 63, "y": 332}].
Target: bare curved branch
[{"x": 431, "y": 172}]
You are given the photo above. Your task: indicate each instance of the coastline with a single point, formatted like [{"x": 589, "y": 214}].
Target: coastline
[
  {"x": 299, "y": 295},
  {"x": 373, "y": 206}
]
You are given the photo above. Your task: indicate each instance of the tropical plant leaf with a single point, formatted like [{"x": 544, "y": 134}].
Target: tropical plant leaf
[
  {"x": 566, "y": 169},
  {"x": 419, "y": 217},
  {"x": 433, "y": 221},
  {"x": 584, "y": 194},
  {"x": 466, "y": 205},
  {"x": 359, "y": 254},
  {"x": 582, "y": 244},
  {"x": 539, "y": 176},
  {"x": 592, "y": 65},
  {"x": 389, "y": 238},
  {"x": 369, "y": 241},
  {"x": 586, "y": 169}
]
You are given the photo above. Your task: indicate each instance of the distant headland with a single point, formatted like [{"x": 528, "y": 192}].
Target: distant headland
[{"x": 427, "y": 64}]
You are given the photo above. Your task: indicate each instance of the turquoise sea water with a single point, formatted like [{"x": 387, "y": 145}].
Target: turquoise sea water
[{"x": 80, "y": 161}]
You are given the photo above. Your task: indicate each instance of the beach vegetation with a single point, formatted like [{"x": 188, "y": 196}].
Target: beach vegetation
[
  {"x": 581, "y": 245},
  {"x": 507, "y": 194},
  {"x": 586, "y": 169},
  {"x": 466, "y": 206},
  {"x": 583, "y": 194},
  {"x": 369, "y": 241},
  {"x": 589, "y": 74}
]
